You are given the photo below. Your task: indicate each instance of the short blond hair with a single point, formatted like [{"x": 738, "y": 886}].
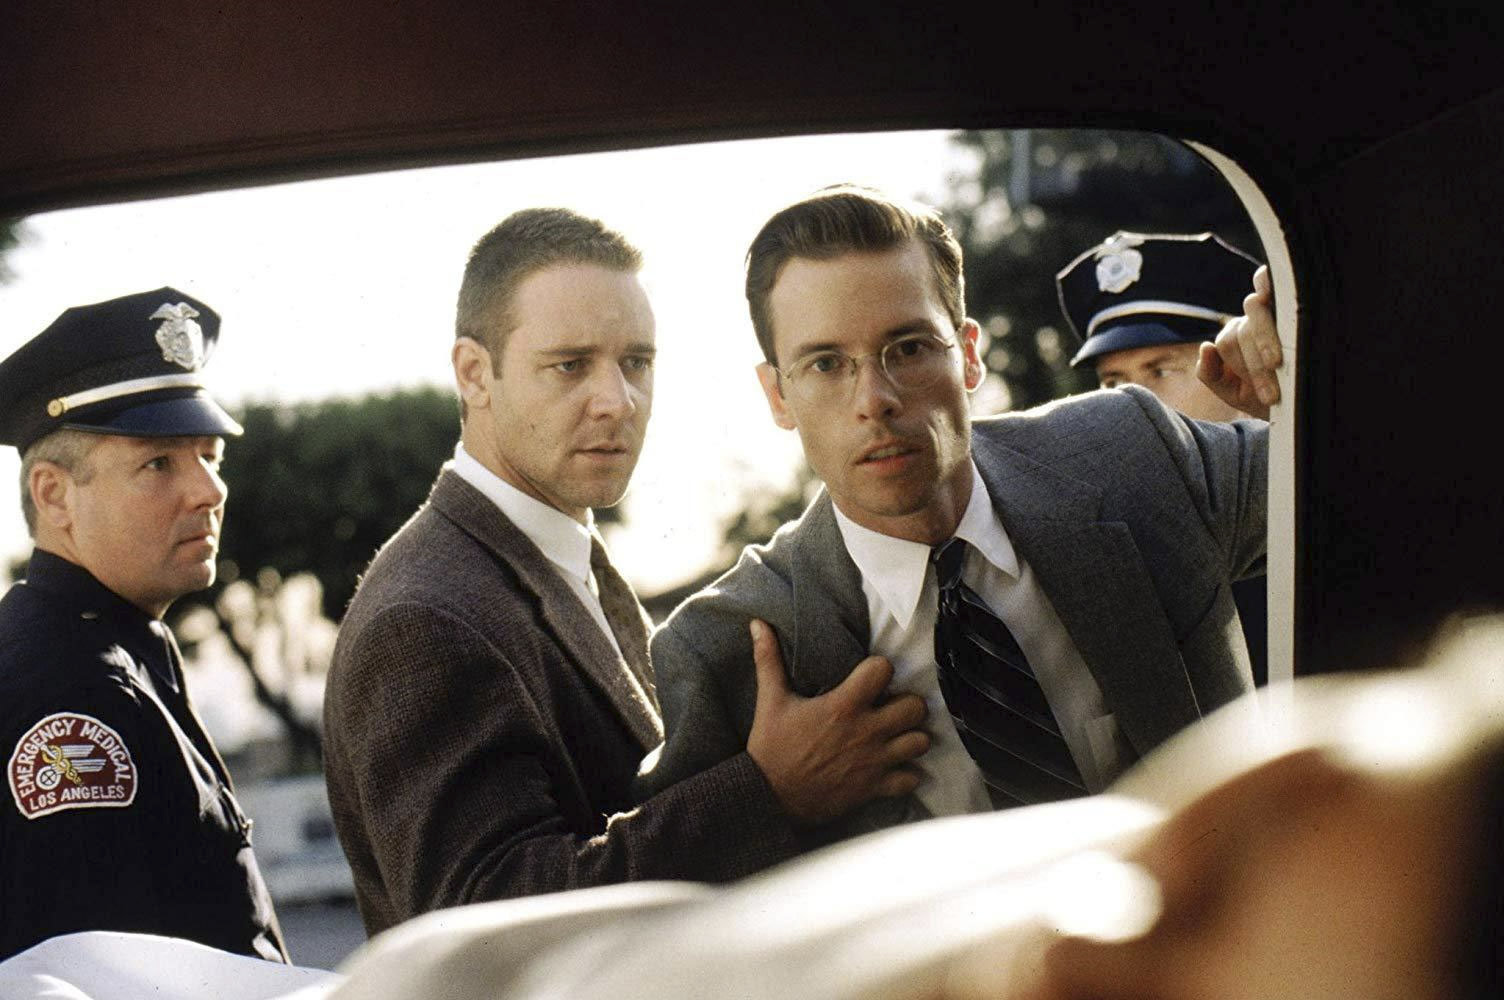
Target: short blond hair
[
  {"x": 67, "y": 449},
  {"x": 524, "y": 243}
]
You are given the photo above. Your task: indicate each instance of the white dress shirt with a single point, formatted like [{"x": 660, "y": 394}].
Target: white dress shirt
[
  {"x": 562, "y": 539},
  {"x": 902, "y": 598}
]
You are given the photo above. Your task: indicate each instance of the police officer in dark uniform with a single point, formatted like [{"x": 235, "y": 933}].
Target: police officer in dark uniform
[
  {"x": 1142, "y": 304},
  {"x": 118, "y": 812}
]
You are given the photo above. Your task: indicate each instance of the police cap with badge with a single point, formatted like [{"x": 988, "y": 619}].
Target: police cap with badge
[
  {"x": 131, "y": 366},
  {"x": 1140, "y": 290}
]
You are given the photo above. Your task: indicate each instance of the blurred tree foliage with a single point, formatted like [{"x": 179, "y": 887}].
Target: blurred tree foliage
[
  {"x": 1030, "y": 202},
  {"x": 318, "y": 487}
]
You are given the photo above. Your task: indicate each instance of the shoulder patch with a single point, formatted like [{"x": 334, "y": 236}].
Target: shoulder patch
[{"x": 70, "y": 761}]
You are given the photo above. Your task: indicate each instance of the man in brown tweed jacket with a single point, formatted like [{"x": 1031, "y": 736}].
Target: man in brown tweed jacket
[{"x": 491, "y": 696}]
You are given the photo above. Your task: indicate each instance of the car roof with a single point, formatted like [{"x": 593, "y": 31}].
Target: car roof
[{"x": 146, "y": 96}]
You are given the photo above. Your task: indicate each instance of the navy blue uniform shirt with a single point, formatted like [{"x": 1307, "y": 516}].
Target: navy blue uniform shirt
[{"x": 118, "y": 812}]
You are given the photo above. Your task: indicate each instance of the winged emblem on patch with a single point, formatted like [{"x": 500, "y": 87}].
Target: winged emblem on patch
[
  {"x": 71, "y": 761},
  {"x": 180, "y": 337}
]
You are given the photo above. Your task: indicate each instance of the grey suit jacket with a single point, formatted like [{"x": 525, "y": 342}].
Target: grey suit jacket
[
  {"x": 1134, "y": 519},
  {"x": 482, "y": 734}
]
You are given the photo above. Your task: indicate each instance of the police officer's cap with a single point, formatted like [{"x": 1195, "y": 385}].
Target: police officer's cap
[
  {"x": 1138, "y": 290},
  {"x": 130, "y": 366}
]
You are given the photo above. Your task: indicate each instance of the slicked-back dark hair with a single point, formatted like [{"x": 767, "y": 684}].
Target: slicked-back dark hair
[
  {"x": 523, "y": 243},
  {"x": 848, "y": 219}
]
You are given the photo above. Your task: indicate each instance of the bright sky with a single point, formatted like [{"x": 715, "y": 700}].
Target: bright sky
[{"x": 346, "y": 286}]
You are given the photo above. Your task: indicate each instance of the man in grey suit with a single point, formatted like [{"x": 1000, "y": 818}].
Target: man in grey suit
[
  {"x": 1102, "y": 531},
  {"x": 491, "y": 696}
]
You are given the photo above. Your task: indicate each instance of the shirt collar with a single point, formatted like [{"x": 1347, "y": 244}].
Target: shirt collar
[
  {"x": 983, "y": 530},
  {"x": 895, "y": 568},
  {"x": 565, "y": 541}
]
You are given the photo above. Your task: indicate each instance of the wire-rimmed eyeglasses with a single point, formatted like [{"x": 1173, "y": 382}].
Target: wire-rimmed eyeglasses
[{"x": 911, "y": 362}]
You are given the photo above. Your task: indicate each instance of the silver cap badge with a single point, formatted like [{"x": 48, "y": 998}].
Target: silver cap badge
[
  {"x": 181, "y": 339},
  {"x": 1118, "y": 269}
]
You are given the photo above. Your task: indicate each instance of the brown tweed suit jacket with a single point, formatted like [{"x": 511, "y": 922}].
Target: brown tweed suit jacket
[{"x": 482, "y": 734}]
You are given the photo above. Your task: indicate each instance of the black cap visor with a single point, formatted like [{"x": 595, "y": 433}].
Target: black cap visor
[
  {"x": 1127, "y": 336},
  {"x": 191, "y": 415}
]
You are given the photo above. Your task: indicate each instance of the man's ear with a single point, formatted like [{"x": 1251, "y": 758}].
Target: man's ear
[
  {"x": 51, "y": 490},
  {"x": 472, "y": 372},
  {"x": 768, "y": 376},
  {"x": 973, "y": 370}
]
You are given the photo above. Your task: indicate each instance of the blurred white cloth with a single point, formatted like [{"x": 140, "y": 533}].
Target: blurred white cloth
[
  {"x": 486, "y": 949},
  {"x": 114, "y": 965},
  {"x": 861, "y": 918}
]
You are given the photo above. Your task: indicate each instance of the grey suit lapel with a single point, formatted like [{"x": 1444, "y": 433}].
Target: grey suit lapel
[
  {"x": 832, "y": 635},
  {"x": 561, "y": 611},
  {"x": 831, "y": 630},
  {"x": 1096, "y": 580}
]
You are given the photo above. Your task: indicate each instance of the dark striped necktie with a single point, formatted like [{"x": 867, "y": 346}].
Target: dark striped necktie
[
  {"x": 999, "y": 709},
  {"x": 629, "y": 623}
]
